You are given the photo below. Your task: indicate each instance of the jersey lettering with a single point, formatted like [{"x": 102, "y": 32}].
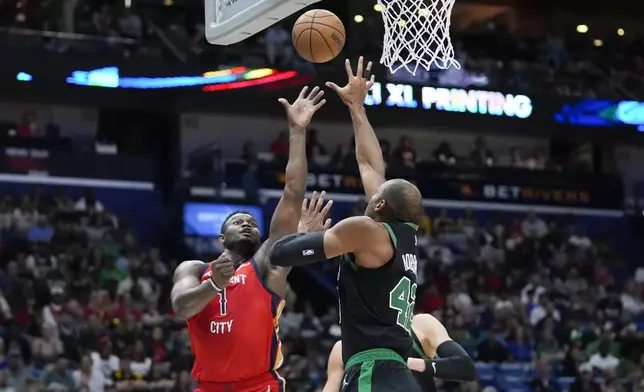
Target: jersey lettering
[
  {"x": 221, "y": 327},
  {"x": 410, "y": 262},
  {"x": 402, "y": 299}
]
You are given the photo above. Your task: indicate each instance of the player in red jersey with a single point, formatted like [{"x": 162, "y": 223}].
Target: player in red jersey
[{"x": 233, "y": 304}]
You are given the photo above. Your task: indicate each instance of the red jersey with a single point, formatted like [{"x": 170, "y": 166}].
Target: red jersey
[{"x": 235, "y": 337}]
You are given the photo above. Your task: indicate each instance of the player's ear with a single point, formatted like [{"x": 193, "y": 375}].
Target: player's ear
[
  {"x": 380, "y": 205},
  {"x": 221, "y": 238}
]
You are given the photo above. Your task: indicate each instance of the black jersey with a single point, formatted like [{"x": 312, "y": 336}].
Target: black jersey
[
  {"x": 425, "y": 381},
  {"x": 377, "y": 304}
]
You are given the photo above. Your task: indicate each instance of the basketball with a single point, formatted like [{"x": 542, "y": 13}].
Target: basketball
[{"x": 318, "y": 36}]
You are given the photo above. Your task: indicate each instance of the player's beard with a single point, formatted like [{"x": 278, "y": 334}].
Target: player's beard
[{"x": 245, "y": 248}]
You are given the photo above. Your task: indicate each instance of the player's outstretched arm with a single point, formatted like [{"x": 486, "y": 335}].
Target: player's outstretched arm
[
  {"x": 368, "y": 152},
  {"x": 358, "y": 235},
  {"x": 189, "y": 295},
  {"x": 286, "y": 215},
  {"x": 335, "y": 369},
  {"x": 453, "y": 362}
]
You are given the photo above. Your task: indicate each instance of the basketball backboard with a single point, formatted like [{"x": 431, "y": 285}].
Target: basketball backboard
[{"x": 231, "y": 21}]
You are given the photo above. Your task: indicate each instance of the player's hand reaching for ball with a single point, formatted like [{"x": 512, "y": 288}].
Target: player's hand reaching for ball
[
  {"x": 315, "y": 214},
  {"x": 356, "y": 89},
  {"x": 222, "y": 270},
  {"x": 301, "y": 111}
]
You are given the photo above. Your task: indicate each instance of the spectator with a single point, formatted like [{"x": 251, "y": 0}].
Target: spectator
[
  {"x": 545, "y": 308},
  {"x": 405, "y": 154},
  {"x": 29, "y": 124},
  {"x": 279, "y": 47},
  {"x": 89, "y": 203},
  {"x": 548, "y": 348},
  {"x": 516, "y": 159},
  {"x": 584, "y": 382},
  {"x": 249, "y": 152},
  {"x": 580, "y": 240},
  {"x": 250, "y": 184},
  {"x": 538, "y": 161},
  {"x": 491, "y": 350},
  {"x": 18, "y": 374},
  {"x": 543, "y": 382},
  {"x": 481, "y": 155},
  {"x": 519, "y": 345},
  {"x": 444, "y": 154},
  {"x": 130, "y": 24},
  {"x": 88, "y": 377},
  {"x": 310, "y": 327},
  {"x": 279, "y": 147},
  {"x": 102, "y": 20},
  {"x": 631, "y": 298},
  {"x": 105, "y": 361},
  {"x": 42, "y": 231},
  {"x": 533, "y": 227},
  {"x": 48, "y": 347},
  {"x": 58, "y": 377},
  {"x": 313, "y": 142},
  {"x": 603, "y": 360}
]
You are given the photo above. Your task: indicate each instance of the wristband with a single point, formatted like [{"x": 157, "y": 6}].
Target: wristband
[{"x": 214, "y": 286}]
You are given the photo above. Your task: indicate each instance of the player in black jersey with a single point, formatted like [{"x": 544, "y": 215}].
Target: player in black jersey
[
  {"x": 377, "y": 278},
  {"x": 428, "y": 334}
]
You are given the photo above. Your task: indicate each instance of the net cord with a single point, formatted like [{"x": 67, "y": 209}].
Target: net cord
[{"x": 417, "y": 35}]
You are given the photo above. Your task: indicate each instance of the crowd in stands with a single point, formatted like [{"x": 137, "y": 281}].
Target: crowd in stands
[
  {"x": 82, "y": 307},
  {"x": 567, "y": 64},
  {"x": 404, "y": 154}
]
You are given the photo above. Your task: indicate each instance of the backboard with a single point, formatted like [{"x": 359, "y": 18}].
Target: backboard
[{"x": 231, "y": 21}]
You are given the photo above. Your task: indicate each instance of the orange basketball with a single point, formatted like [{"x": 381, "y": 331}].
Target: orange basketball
[{"x": 318, "y": 36}]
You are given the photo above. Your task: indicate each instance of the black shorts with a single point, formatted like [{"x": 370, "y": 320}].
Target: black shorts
[{"x": 378, "y": 370}]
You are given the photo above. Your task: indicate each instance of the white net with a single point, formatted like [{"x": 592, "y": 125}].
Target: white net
[{"x": 417, "y": 34}]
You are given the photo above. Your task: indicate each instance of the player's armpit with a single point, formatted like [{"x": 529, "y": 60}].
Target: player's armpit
[
  {"x": 335, "y": 369},
  {"x": 189, "y": 296}
]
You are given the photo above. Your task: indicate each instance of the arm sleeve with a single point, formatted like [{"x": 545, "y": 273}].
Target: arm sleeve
[
  {"x": 298, "y": 249},
  {"x": 454, "y": 363}
]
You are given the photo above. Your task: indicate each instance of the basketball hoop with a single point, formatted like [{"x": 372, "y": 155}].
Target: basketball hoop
[
  {"x": 417, "y": 34},
  {"x": 231, "y": 21}
]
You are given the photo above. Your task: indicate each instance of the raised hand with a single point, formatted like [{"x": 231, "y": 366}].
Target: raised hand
[
  {"x": 355, "y": 91},
  {"x": 314, "y": 214},
  {"x": 222, "y": 270},
  {"x": 301, "y": 111}
]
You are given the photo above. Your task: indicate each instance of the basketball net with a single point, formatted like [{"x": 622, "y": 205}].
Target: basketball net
[{"x": 417, "y": 34}]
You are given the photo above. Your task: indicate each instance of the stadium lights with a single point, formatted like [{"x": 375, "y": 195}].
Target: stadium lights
[
  {"x": 598, "y": 43},
  {"x": 377, "y": 7},
  {"x": 620, "y": 32},
  {"x": 582, "y": 29},
  {"x": 358, "y": 18}
]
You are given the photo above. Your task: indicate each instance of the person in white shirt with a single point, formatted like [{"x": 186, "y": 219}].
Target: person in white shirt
[
  {"x": 88, "y": 377},
  {"x": 580, "y": 240},
  {"x": 631, "y": 299},
  {"x": 545, "y": 308},
  {"x": 603, "y": 360},
  {"x": 533, "y": 227}
]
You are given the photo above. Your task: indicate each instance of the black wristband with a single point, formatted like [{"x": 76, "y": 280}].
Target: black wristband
[{"x": 298, "y": 249}]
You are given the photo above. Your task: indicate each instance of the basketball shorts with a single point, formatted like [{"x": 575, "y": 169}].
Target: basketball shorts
[
  {"x": 268, "y": 382},
  {"x": 378, "y": 370}
]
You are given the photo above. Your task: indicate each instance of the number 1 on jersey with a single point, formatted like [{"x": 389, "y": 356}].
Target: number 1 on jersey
[
  {"x": 222, "y": 302},
  {"x": 403, "y": 299}
]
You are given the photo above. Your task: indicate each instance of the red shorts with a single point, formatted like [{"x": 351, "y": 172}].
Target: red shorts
[{"x": 267, "y": 382}]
